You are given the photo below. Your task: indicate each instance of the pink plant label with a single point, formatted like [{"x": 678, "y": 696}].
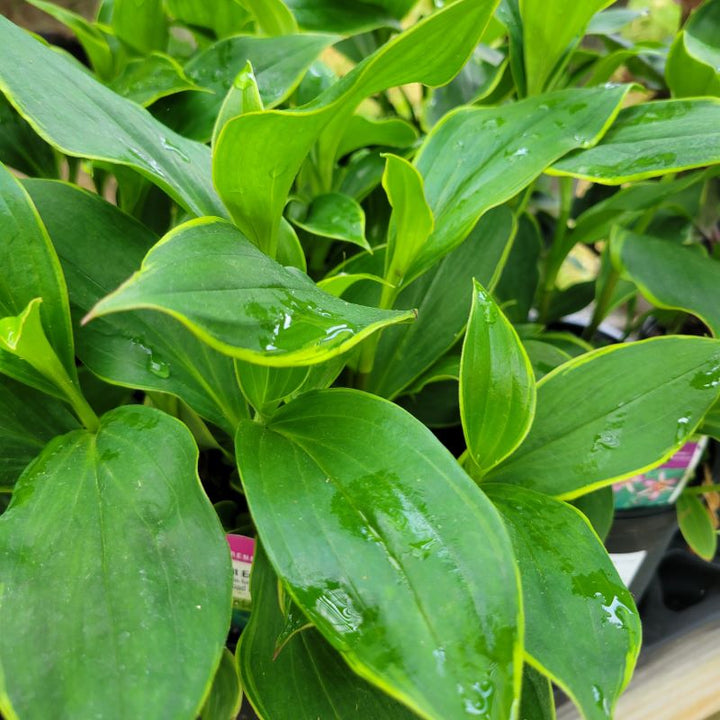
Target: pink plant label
[
  {"x": 242, "y": 551},
  {"x": 663, "y": 484}
]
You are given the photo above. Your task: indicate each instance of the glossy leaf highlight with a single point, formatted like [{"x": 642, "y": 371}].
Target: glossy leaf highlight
[{"x": 406, "y": 569}]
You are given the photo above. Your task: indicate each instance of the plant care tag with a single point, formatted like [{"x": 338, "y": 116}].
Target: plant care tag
[
  {"x": 663, "y": 484},
  {"x": 242, "y": 551}
]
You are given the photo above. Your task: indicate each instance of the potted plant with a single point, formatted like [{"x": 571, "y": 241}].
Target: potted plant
[{"x": 280, "y": 264}]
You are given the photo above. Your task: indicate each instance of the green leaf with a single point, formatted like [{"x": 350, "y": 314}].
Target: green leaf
[
  {"x": 257, "y": 196},
  {"x": 141, "y": 25},
  {"x": 28, "y": 421},
  {"x": 575, "y": 603},
  {"x": 411, "y": 221},
  {"x": 544, "y": 357},
  {"x": 614, "y": 413},
  {"x": 208, "y": 276},
  {"x": 443, "y": 302},
  {"x": 332, "y": 215},
  {"x": 629, "y": 204},
  {"x": 570, "y": 300},
  {"x": 711, "y": 422},
  {"x": 696, "y": 526},
  {"x": 272, "y": 16},
  {"x": 99, "y": 124},
  {"x": 242, "y": 97},
  {"x": 93, "y": 39},
  {"x": 23, "y": 337},
  {"x": 362, "y": 132},
  {"x": 692, "y": 64},
  {"x": 551, "y": 28},
  {"x": 497, "y": 385},
  {"x": 99, "y": 247},
  {"x": 477, "y": 158},
  {"x": 31, "y": 269},
  {"x": 411, "y": 579},
  {"x": 308, "y": 673},
  {"x": 610, "y": 22},
  {"x": 599, "y": 508},
  {"x": 520, "y": 276},
  {"x": 114, "y": 523},
  {"x": 21, "y": 148},
  {"x": 650, "y": 139},
  {"x": 290, "y": 250},
  {"x": 348, "y": 18},
  {"x": 265, "y": 387},
  {"x": 278, "y": 63},
  {"x": 223, "y": 17},
  {"x": 537, "y": 701},
  {"x": 671, "y": 275},
  {"x": 337, "y": 284},
  {"x": 145, "y": 80},
  {"x": 225, "y": 697}
]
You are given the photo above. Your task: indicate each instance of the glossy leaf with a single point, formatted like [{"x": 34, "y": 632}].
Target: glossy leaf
[
  {"x": 443, "y": 302},
  {"x": 278, "y": 64},
  {"x": 347, "y": 18},
  {"x": 337, "y": 284},
  {"x": 520, "y": 276},
  {"x": 225, "y": 18},
  {"x": 308, "y": 673},
  {"x": 225, "y": 697},
  {"x": 711, "y": 422},
  {"x": 671, "y": 275},
  {"x": 411, "y": 580},
  {"x": 613, "y": 413},
  {"x": 144, "y": 556},
  {"x": 240, "y": 301},
  {"x": 537, "y": 701},
  {"x": 145, "y": 80},
  {"x": 21, "y": 148},
  {"x": 28, "y": 421},
  {"x": 696, "y": 526},
  {"x": 648, "y": 140},
  {"x": 628, "y": 205},
  {"x": 497, "y": 385},
  {"x": 31, "y": 269},
  {"x": 257, "y": 196},
  {"x": 266, "y": 387},
  {"x": 544, "y": 357},
  {"x": 550, "y": 29},
  {"x": 93, "y": 39},
  {"x": 694, "y": 58},
  {"x": 100, "y": 125},
  {"x": 272, "y": 16},
  {"x": 362, "y": 132},
  {"x": 332, "y": 215},
  {"x": 477, "y": 158},
  {"x": 609, "y": 22},
  {"x": 139, "y": 350},
  {"x": 242, "y": 97},
  {"x": 412, "y": 220},
  {"x": 599, "y": 508},
  {"x": 575, "y": 603},
  {"x": 141, "y": 25}
]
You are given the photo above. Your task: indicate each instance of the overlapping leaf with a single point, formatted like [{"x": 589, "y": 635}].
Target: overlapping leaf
[
  {"x": 405, "y": 568},
  {"x": 99, "y": 124},
  {"x": 208, "y": 276},
  {"x": 613, "y": 413},
  {"x": 111, "y": 536}
]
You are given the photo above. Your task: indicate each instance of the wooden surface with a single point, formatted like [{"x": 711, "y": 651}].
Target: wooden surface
[{"x": 678, "y": 681}]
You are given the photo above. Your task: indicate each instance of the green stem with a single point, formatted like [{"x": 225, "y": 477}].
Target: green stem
[
  {"x": 558, "y": 250},
  {"x": 603, "y": 304},
  {"x": 368, "y": 349},
  {"x": 701, "y": 489}
]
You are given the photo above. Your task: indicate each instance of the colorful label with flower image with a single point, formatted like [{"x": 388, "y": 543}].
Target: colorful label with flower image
[
  {"x": 242, "y": 551},
  {"x": 663, "y": 484}
]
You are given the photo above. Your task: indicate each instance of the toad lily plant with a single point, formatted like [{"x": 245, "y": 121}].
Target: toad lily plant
[{"x": 316, "y": 236}]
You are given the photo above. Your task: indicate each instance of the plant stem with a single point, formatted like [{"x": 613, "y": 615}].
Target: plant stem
[
  {"x": 602, "y": 304},
  {"x": 701, "y": 489},
  {"x": 368, "y": 350},
  {"x": 558, "y": 250}
]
